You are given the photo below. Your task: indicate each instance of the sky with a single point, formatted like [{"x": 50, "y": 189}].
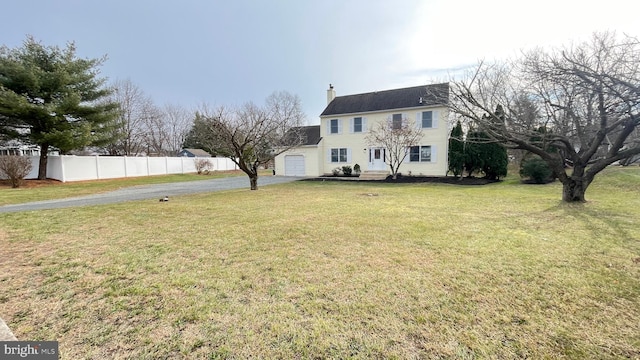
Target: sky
[{"x": 195, "y": 52}]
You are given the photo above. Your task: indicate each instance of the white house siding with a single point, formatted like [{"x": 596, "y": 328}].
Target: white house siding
[
  {"x": 358, "y": 147},
  {"x": 310, "y": 154}
]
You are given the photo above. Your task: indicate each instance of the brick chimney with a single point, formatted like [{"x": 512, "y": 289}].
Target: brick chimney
[{"x": 331, "y": 94}]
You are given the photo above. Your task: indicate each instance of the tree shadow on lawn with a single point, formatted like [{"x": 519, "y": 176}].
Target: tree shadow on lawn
[{"x": 600, "y": 223}]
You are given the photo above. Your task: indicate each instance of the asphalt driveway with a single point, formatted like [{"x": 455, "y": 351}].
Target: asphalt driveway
[{"x": 143, "y": 192}]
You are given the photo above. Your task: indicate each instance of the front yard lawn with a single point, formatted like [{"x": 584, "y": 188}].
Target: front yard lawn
[{"x": 333, "y": 270}]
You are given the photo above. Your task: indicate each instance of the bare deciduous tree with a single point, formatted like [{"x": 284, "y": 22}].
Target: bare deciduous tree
[
  {"x": 154, "y": 138},
  {"x": 144, "y": 128},
  {"x": 136, "y": 109},
  {"x": 177, "y": 121},
  {"x": 251, "y": 135},
  {"x": 396, "y": 137},
  {"x": 585, "y": 100}
]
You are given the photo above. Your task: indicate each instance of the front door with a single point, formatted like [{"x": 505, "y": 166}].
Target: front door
[{"x": 376, "y": 158}]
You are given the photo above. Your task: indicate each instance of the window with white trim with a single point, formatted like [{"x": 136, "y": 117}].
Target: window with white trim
[
  {"x": 357, "y": 124},
  {"x": 420, "y": 154},
  {"x": 396, "y": 121},
  {"x": 339, "y": 155},
  {"x": 334, "y": 127},
  {"x": 427, "y": 119}
]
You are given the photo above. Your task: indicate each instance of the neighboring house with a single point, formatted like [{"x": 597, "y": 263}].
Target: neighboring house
[
  {"x": 193, "y": 153},
  {"x": 14, "y": 147},
  {"x": 346, "y": 120},
  {"x": 303, "y": 160},
  {"x": 23, "y": 150}
]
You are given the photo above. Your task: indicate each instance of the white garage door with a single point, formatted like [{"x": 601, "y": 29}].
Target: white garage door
[{"x": 294, "y": 165}]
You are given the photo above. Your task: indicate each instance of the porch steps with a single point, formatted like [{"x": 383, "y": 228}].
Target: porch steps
[{"x": 373, "y": 175}]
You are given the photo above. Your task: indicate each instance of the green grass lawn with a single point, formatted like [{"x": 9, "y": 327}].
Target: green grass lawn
[{"x": 334, "y": 270}]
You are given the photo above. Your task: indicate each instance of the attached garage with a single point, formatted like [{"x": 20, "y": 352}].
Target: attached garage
[
  {"x": 301, "y": 160},
  {"x": 294, "y": 165}
]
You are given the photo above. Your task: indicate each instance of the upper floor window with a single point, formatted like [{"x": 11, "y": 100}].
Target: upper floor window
[
  {"x": 427, "y": 119},
  {"x": 357, "y": 124},
  {"x": 396, "y": 121},
  {"x": 334, "y": 126}
]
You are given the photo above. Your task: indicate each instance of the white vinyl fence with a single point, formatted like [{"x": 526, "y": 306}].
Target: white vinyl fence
[{"x": 76, "y": 168}]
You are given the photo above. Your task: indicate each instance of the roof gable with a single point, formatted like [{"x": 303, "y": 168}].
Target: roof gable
[{"x": 425, "y": 95}]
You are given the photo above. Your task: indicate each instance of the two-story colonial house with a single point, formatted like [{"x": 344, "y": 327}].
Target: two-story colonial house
[{"x": 346, "y": 121}]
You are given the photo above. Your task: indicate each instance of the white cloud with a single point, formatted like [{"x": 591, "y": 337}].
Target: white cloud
[{"x": 454, "y": 34}]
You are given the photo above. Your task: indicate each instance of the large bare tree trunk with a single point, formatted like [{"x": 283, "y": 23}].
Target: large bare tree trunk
[
  {"x": 253, "y": 180},
  {"x": 575, "y": 185},
  {"x": 573, "y": 190},
  {"x": 44, "y": 158}
]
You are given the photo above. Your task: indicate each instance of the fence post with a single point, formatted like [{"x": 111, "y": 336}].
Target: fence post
[
  {"x": 63, "y": 170},
  {"x": 97, "y": 167}
]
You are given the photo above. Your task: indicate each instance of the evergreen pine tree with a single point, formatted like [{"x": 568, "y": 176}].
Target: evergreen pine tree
[
  {"x": 474, "y": 151},
  {"x": 482, "y": 154},
  {"x": 456, "y": 150},
  {"x": 496, "y": 161},
  {"x": 52, "y": 98}
]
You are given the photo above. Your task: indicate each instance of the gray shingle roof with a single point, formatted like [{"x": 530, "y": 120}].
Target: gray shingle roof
[
  {"x": 437, "y": 94},
  {"x": 198, "y": 152},
  {"x": 310, "y": 135}
]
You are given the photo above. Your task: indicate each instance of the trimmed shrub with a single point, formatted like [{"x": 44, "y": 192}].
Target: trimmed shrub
[
  {"x": 537, "y": 170},
  {"x": 346, "y": 170},
  {"x": 15, "y": 168},
  {"x": 203, "y": 165}
]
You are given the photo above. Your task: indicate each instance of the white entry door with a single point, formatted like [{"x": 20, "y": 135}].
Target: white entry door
[{"x": 377, "y": 156}]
